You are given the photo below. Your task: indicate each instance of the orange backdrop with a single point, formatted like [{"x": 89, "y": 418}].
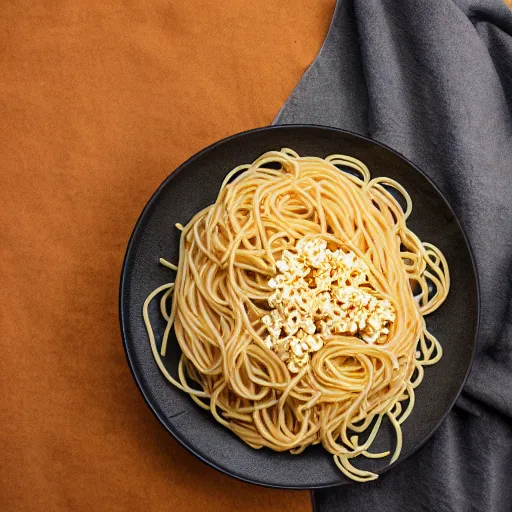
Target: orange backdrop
[{"x": 99, "y": 102}]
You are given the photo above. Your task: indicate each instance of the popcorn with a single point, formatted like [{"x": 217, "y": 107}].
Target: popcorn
[{"x": 318, "y": 293}]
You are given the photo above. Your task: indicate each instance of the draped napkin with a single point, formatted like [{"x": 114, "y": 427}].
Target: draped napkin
[{"x": 433, "y": 80}]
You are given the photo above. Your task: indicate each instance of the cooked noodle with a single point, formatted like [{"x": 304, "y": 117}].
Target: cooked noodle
[{"x": 227, "y": 255}]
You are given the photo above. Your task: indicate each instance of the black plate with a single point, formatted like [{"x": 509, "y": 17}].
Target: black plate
[{"x": 193, "y": 186}]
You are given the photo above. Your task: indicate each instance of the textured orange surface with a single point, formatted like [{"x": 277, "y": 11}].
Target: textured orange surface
[{"x": 99, "y": 101}]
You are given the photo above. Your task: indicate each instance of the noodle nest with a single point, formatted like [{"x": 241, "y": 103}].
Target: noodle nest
[{"x": 228, "y": 254}]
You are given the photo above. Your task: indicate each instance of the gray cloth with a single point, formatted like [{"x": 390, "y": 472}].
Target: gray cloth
[{"x": 433, "y": 80}]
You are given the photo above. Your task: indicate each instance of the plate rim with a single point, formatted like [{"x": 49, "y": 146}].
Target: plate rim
[{"x": 123, "y": 320}]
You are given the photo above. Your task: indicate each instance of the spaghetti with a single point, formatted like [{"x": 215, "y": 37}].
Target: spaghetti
[{"x": 339, "y": 394}]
